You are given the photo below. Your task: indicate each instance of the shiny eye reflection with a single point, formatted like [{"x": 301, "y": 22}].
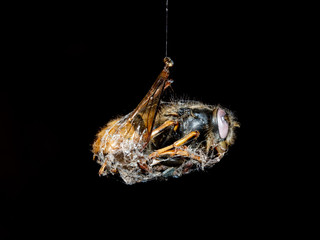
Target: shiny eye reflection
[{"x": 223, "y": 126}]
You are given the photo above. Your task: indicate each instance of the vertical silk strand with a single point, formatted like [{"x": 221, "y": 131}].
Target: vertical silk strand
[{"x": 166, "y": 53}]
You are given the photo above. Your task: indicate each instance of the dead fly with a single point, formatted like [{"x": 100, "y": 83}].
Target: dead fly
[{"x": 164, "y": 139}]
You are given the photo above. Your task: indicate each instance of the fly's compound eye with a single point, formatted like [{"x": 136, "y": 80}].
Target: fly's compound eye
[{"x": 223, "y": 125}]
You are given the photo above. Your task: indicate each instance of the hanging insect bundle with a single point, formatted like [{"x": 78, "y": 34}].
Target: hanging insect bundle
[{"x": 160, "y": 139}]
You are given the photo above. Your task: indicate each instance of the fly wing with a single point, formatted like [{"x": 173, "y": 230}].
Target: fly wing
[
  {"x": 134, "y": 129},
  {"x": 141, "y": 120}
]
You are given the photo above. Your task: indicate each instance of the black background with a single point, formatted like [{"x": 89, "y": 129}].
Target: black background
[{"x": 72, "y": 68}]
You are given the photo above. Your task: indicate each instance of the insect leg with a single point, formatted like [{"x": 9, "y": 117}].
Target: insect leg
[
  {"x": 165, "y": 125},
  {"x": 178, "y": 152},
  {"x": 221, "y": 149},
  {"x": 180, "y": 142}
]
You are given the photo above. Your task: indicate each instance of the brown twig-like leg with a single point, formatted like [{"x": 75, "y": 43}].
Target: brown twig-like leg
[
  {"x": 176, "y": 152},
  {"x": 180, "y": 142},
  {"x": 166, "y": 124},
  {"x": 101, "y": 170},
  {"x": 221, "y": 149},
  {"x": 182, "y": 153}
]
